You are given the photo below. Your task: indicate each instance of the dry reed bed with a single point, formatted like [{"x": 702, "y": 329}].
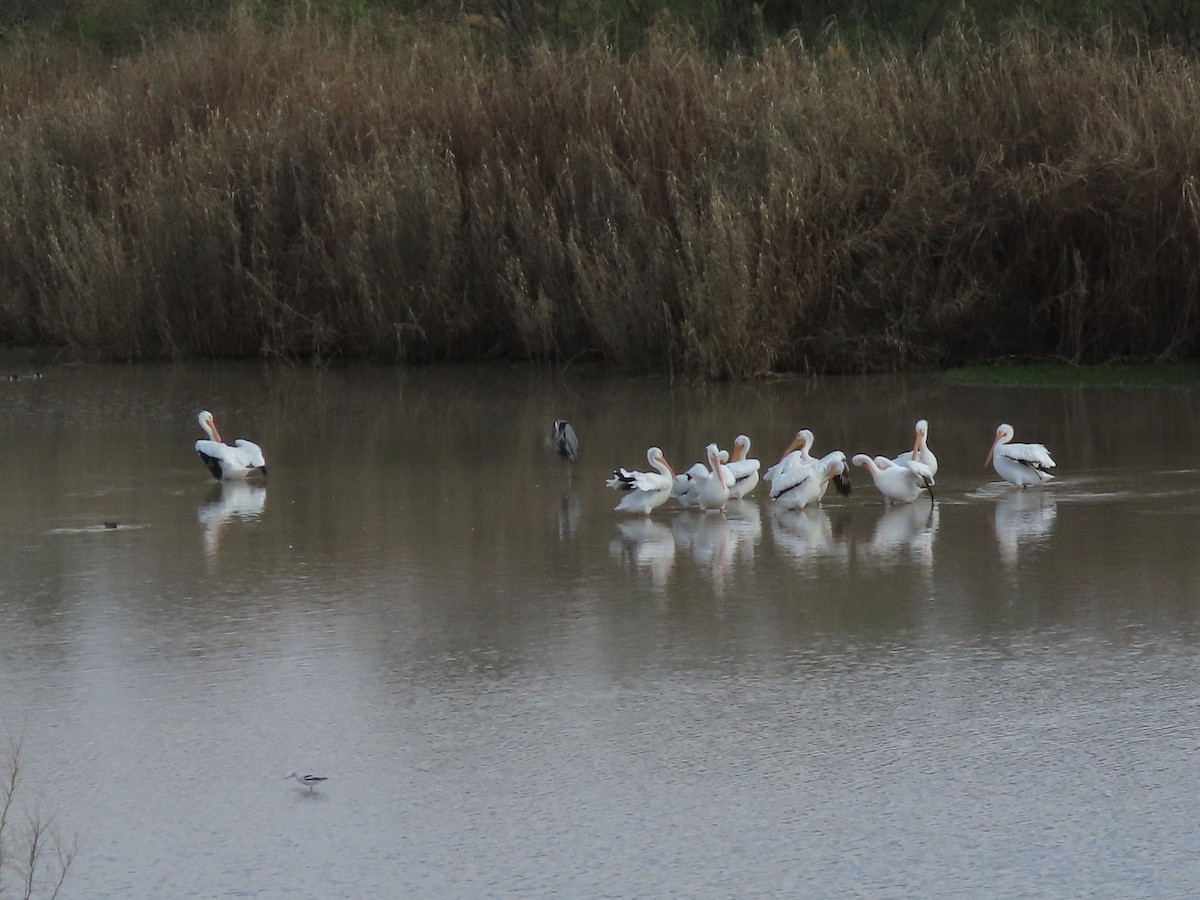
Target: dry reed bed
[{"x": 307, "y": 193}]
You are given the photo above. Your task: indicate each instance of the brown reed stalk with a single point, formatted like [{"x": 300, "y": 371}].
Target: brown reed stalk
[{"x": 394, "y": 194}]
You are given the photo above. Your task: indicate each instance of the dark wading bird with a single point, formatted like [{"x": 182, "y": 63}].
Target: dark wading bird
[
  {"x": 565, "y": 443},
  {"x": 227, "y": 462}
]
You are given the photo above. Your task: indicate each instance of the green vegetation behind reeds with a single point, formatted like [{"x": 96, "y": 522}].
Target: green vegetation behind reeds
[{"x": 396, "y": 195}]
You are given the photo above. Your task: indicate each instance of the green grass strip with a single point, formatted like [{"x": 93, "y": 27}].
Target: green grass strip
[{"x": 1124, "y": 376}]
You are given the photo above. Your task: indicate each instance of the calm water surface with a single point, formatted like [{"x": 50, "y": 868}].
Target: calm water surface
[{"x": 514, "y": 691}]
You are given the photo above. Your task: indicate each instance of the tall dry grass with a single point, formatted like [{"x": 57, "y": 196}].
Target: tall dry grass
[{"x": 303, "y": 192}]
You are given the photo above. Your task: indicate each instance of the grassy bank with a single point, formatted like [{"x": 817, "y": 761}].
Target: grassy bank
[
  {"x": 395, "y": 195},
  {"x": 1124, "y": 376}
]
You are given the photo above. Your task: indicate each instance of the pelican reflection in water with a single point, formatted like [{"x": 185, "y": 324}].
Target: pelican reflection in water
[
  {"x": 1023, "y": 519},
  {"x": 745, "y": 523},
  {"x": 229, "y": 500},
  {"x": 709, "y": 540},
  {"x": 904, "y": 530},
  {"x": 645, "y": 544},
  {"x": 806, "y": 534}
]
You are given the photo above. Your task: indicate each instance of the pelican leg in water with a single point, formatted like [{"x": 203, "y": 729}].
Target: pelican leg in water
[
  {"x": 645, "y": 490},
  {"x": 228, "y": 462},
  {"x": 898, "y": 483},
  {"x": 1020, "y": 464}
]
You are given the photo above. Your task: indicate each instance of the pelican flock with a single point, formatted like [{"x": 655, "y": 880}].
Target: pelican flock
[
  {"x": 799, "y": 479},
  {"x": 228, "y": 462}
]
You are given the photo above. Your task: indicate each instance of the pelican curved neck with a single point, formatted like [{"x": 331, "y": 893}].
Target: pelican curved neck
[{"x": 208, "y": 423}]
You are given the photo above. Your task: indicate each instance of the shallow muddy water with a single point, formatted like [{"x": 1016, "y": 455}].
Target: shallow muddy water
[{"x": 514, "y": 690}]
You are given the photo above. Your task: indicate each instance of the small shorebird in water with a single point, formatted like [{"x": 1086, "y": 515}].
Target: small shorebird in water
[{"x": 309, "y": 781}]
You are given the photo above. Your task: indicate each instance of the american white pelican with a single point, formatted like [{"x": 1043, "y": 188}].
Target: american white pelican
[
  {"x": 240, "y": 459},
  {"x": 743, "y": 469},
  {"x": 686, "y": 488},
  {"x": 647, "y": 490},
  {"x": 714, "y": 490},
  {"x": 565, "y": 443},
  {"x": 309, "y": 781},
  {"x": 1021, "y": 464},
  {"x": 796, "y": 453},
  {"x": 797, "y": 456},
  {"x": 920, "y": 449},
  {"x": 799, "y": 485},
  {"x": 900, "y": 483}
]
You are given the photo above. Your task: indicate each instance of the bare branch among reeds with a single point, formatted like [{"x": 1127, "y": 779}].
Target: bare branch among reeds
[{"x": 34, "y": 855}]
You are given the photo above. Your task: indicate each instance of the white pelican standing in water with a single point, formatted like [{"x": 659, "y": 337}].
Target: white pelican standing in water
[
  {"x": 798, "y": 455},
  {"x": 714, "y": 490},
  {"x": 799, "y": 485},
  {"x": 743, "y": 469},
  {"x": 920, "y": 449},
  {"x": 686, "y": 488},
  {"x": 647, "y": 490},
  {"x": 900, "y": 483},
  {"x": 227, "y": 462},
  {"x": 1021, "y": 464}
]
